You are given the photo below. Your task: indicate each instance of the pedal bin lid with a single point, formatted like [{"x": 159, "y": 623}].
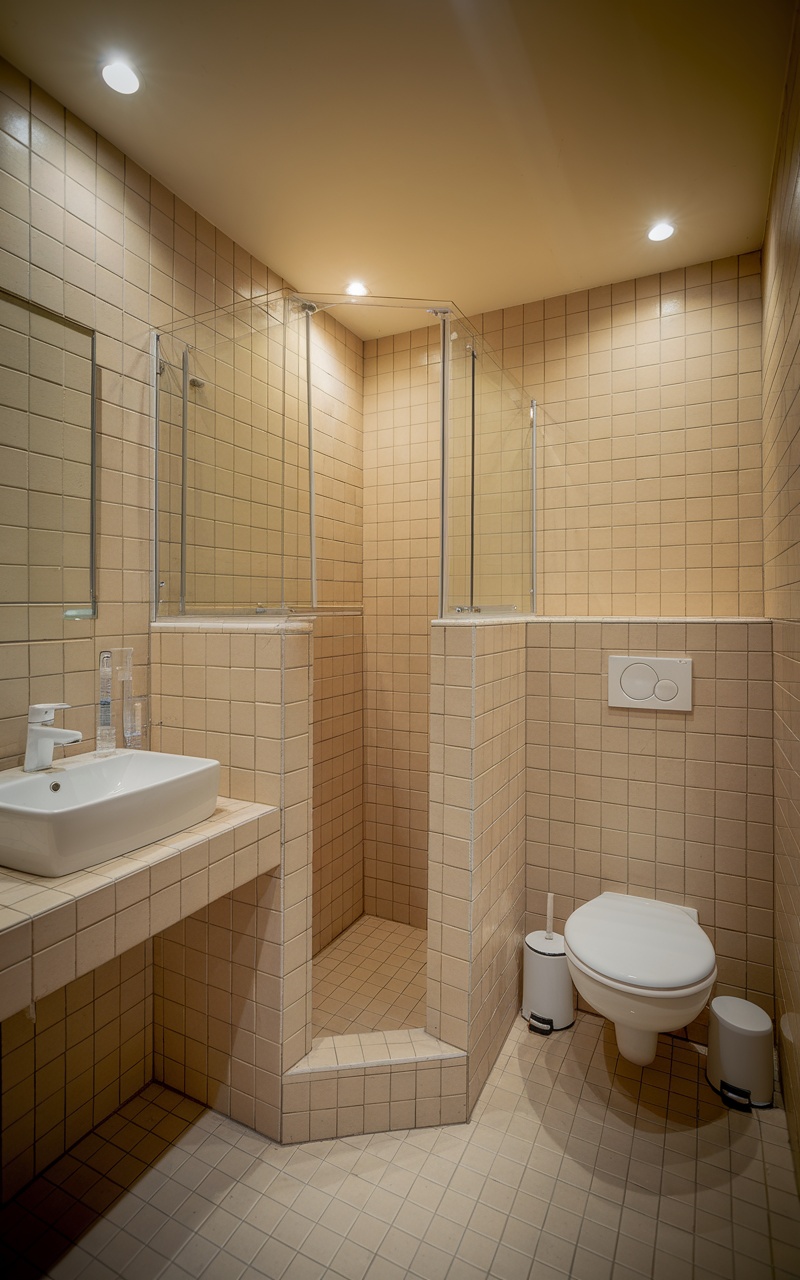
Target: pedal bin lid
[
  {"x": 544, "y": 946},
  {"x": 742, "y": 1016}
]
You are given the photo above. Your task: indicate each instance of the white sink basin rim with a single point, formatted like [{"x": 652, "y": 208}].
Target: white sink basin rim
[{"x": 92, "y": 808}]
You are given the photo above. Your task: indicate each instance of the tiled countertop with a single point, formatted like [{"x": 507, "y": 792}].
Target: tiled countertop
[{"x": 53, "y": 930}]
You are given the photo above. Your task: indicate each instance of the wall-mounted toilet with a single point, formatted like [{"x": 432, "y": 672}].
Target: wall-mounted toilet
[{"x": 645, "y": 965}]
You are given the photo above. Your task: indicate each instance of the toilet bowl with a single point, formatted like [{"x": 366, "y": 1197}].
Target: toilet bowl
[{"x": 645, "y": 965}]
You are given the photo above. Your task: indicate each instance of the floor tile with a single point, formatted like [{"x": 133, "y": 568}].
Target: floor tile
[
  {"x": 373, "y": 977},
  {"x": 522, "y": 1191}
]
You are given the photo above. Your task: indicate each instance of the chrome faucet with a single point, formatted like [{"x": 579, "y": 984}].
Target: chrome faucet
[{"x": 43, "y": 736}]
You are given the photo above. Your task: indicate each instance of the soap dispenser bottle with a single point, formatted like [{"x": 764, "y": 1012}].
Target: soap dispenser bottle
[{"x": 106, "y": 729}]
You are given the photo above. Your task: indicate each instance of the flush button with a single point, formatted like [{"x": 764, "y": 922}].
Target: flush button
[
  {"x": 639, "y": 681},
  {"x": 649, "y": 683}
]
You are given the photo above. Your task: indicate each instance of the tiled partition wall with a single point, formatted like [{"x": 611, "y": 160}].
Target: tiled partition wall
[
  {"x": 477, "y": 834},
  {"x": 782, "y": 570},
  {"x": 670, "y": 805},
  {"x": 232, "y": 984}
]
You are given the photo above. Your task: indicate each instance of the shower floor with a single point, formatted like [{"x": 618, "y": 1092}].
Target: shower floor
[{"x": 373, "y": 977}]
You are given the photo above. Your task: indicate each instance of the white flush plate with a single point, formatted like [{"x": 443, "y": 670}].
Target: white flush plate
[{"x": 655, "y": 684}]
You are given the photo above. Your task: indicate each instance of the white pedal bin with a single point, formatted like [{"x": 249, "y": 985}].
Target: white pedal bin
[
  {"x": 548, "y": 996},
  {"x": 740, "y": 1063}
]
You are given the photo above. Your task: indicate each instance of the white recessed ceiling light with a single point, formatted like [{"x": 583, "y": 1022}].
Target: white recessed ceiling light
[
  {"x": 120, "y": 77},
  {"x": 357, "y": 290},
  {"x": 661, "y": 231}
]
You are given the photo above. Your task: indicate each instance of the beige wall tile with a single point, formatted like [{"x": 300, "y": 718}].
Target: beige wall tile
[
  {"x": 661, "y": 804},
  {"x": 780, "y": 434}
]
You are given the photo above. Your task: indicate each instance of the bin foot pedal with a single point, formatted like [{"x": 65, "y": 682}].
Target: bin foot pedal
[
  {"x": 543, "y": 1026},
  {"x": 736, "y": 1099}
]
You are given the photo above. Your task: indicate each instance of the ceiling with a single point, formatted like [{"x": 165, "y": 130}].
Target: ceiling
[{"x": 487, "y": 151}]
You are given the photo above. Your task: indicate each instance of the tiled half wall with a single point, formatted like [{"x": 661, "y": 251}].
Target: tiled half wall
[
  {"x": 232, "y": 984},
  {"x": 477, "y": 838}
]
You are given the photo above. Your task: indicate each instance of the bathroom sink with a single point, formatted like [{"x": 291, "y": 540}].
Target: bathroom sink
[{"x": 93, "y": 808}]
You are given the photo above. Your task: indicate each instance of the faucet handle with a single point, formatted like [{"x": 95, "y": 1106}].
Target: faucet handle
[{"x": 44, "y": 712}]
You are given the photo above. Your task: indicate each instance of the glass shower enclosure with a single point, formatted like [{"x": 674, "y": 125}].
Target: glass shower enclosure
[
  {"x": 488, "y": 490},
  {"x": 234, "y": 528},
  {"x": 234, "y": 484}
]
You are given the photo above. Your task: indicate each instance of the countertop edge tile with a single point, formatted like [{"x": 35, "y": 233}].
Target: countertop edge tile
[{"x": 53, "y": 930}]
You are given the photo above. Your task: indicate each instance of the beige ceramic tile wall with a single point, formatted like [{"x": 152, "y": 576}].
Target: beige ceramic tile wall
[
  {"x": 337, "y": 362},
  {"x": 87, "y": 233},
  {"x": 401, "y": 530},
  {"x": 477, "y": 855},
  {"x": 781, "y": 562},
  {"x": 338, "y": 704},
  {"x": 89, "y": 1050},
  {"x": 649, "y": 488},
  {"x": 677, "y": 805},
  {"x": 233, "y": 983},
  {"x": 338, "y": 801},
  {"x": 217, "y": 1005},
  {"x": 649, "y": 430},
  {"x": 498, "y": 855}
]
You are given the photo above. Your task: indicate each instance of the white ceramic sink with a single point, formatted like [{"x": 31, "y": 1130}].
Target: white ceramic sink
[{"x": 93, "y": 808}]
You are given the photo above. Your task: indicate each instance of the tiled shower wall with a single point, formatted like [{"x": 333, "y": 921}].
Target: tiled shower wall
[
  {"x": 664, "y": 804},
  {"x": 401, "y": 549},
  {"x": 649, "y": 398},
  {"x": 338, "y": 752},
  {"x": 782, "y": 569}
]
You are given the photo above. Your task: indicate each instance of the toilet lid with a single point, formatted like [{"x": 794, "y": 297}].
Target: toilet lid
[{"x": 639, "y": 942}]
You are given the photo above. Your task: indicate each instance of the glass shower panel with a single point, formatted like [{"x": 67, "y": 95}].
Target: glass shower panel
[
  {"x": 502, "y": 491},
  {"x": 233, "y": 467},
  {"x": 488, "y": 494},
  {"x": 460, "y": 400},
  {"x": 297, "y": 460}
]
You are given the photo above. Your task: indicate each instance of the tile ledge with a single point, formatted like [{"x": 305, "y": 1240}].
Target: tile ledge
[
  {"x": 333, "y": 1053},
  {"x": 473, "y": 621}
]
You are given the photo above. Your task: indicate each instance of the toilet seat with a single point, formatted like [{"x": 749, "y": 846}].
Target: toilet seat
[{"x": 638, "y": 944}]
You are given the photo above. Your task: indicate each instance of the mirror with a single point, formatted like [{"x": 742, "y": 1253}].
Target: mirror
[{"x": 47, "y": 471}]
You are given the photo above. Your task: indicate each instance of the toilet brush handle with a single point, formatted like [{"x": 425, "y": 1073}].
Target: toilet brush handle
[{"x": 549, "y": 932}]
